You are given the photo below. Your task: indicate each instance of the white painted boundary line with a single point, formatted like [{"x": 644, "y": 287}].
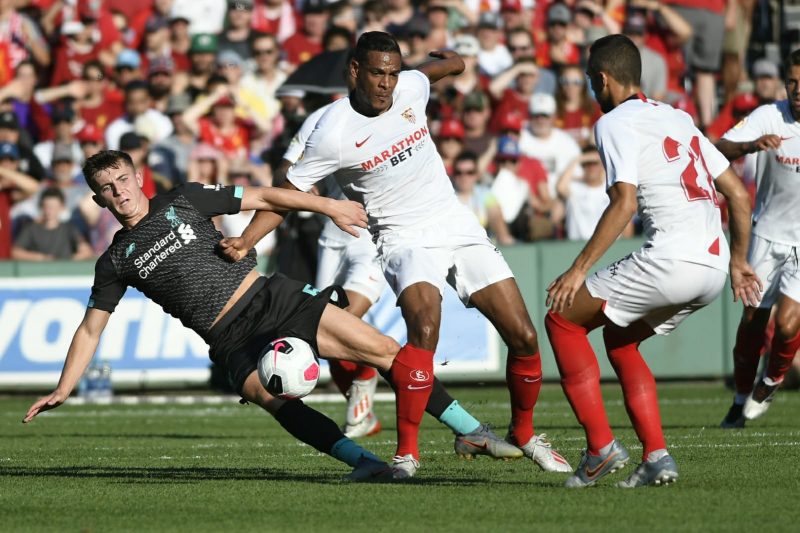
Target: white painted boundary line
[{"x": 182, "y": 399}]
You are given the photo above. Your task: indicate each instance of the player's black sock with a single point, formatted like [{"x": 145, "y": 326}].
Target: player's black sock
[
  {"x": 309, "y": 426},
  {"x": 439, "y": 401}
]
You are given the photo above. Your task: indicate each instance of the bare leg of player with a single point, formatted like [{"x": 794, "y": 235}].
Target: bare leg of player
[
  {"x": 503, "y": 305},
  {"x": 317, "y": 430},
  {"x": 785, "y": 344}
]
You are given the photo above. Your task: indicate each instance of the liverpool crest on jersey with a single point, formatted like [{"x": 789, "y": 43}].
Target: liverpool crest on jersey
[{"x": 408, "y": 114}]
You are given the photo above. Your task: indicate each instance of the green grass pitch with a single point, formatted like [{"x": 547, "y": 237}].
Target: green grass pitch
[{"x": 229, "y": 467}]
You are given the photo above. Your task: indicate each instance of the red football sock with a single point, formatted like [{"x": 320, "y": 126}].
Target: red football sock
[
  {"x": 580, "y": 378},
  {"x": 781, "y": 356},
  {"x": 412, "y": 376},
  {"x": 342, "y": 373},
  {"x": 638, "y": 389},
  {"x": 524, "y": 379},
  {"x": 363, "y": 373},
  {"x": 746, "y": 354}
]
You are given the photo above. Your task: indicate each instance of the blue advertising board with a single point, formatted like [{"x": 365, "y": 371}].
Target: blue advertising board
[{"x": 145, "y": 346}]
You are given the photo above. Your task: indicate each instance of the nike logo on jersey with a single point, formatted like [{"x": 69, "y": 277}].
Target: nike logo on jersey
[{"x": 360, "y": 144}]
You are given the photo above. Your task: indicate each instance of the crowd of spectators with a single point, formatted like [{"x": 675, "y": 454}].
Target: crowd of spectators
[{"x": 194, "y": 90}]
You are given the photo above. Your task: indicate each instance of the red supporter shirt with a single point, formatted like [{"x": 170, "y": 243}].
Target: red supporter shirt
[
  {"x": 722, "y": 123},
  {"x": 234, "y": 145},
  {"x": 578, "y": 123},
  {"x": 101, "y": 116},
  {"x": 299, "y": 48},
  {"x": 543, "y": 59},
  {"x": 511, "y": 102},
  {"x": 69, "y": 63}
]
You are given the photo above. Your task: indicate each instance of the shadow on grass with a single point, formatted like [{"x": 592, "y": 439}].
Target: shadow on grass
[
  {"x": 176, "y": 475},
  {"x": 127, "y": 436}
]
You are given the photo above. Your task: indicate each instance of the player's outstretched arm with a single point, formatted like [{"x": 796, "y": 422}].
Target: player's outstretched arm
[
  {"x": 561, "y": 292},
  {"x": 81, "y": 350},
  {"x": 734, "y": 150},
  {"x": 445, "y": 63},
  {"x": 744, "y": 282}
]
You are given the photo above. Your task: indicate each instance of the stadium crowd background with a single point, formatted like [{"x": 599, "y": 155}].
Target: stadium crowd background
[{"x": 193, "y": 91}]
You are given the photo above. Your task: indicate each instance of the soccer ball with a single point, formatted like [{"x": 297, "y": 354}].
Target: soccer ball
[{"x": 288, "y": 368}]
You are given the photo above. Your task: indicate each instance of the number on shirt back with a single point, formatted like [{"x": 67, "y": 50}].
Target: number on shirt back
[{"x": 691, "y": 174}]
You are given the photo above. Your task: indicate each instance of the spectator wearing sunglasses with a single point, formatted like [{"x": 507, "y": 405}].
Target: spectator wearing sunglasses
[
  {"x": 576, "y": 111},
  {"x": 267, "y": 77}
]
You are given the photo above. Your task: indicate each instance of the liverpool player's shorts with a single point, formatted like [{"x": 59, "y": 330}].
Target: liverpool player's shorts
[
  {"x": 278, "y": 307},
  {"x": 662, "y": 292},
  {"x": 354, "y": 265},
  {"x": 777, "y": 266},
  {"x": 452, "y": 248}
]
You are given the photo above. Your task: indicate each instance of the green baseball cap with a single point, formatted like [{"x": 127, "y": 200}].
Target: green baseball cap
[{"x": 203, "y": 43}]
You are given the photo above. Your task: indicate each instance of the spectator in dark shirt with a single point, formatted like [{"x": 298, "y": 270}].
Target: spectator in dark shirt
[{"x": 49, "y": 238}]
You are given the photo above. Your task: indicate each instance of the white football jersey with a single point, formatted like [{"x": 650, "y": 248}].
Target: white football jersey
[
  {"x": 776, "y": 216},
  {"x": 388, "y": 163},
  {"x": 658, "y": 149},
  {"x": 330, "y": 232}
]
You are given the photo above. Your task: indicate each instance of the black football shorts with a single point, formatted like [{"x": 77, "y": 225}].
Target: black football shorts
[{"x": 272, "y": 308}]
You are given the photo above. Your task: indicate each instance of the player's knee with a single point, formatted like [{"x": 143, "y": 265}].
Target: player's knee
[
  {"x": 524, "y": 340},
  {"x": 787, "y": 325}
]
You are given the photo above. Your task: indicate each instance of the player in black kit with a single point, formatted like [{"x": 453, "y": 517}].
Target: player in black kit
[{"x": 168, "y": 249}]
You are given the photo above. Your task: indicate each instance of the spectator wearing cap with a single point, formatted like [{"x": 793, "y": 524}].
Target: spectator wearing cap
[
  {"x": 127, "y": 67},
  {"x": 10, "y": 132},
  {"x": 91, "y": 140},
  {"x": 50, "y": 238},
  {"x": 264, "y": 81},
  {"x": 514, "y": 15},
  {"x": 22, "y": 39},
  {"x": 250, "y": 109},
  {"x": 493, "y": 57},
  {"x": 512, "y": 191},
  {"x": 238, "y": 36},
  {"x": 654, "y": 68},
  {"x": 767, "y": 79},
  {"x": 585, "y": 198},
  {"x": 137, "y": 16},
  {"x": 275, "y": 17},
  {"x": 557, "y": 49},
  {"x": 703, "y": 51},
  {"x": 551, "y": 145},
  {"x": 400, "y": 13},
  {"x": 467, "y": 46},
  {"x": 213, "y": 120},
  {"x": 207, "y": 165},
  {"x": 14, "y": 187},
  {"x": 204, "y": 16},
  {"x": 590, "y": 21},
  {"x": 202, "y": 57},
  {"x": 665, "y": 33},
  {"x": 77, "y": 47},
  {"x": 307, "y": 40},
  {"x": 576, "y": 111},
  {"x": 63, "y": 119},
  {"x": 450, "y": 142},
  {"x": 158, "y": 46},
  {"x": 476, "y": 113},
  {"x": 479, "y": 197},
  {"x": 417, "y": 33},
  {"x": 137, "y": 104},
  {"x": 161, "y": 81},
  {"x": 170, "y": 157}
]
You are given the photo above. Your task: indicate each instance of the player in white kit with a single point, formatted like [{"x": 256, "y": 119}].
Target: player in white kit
[
  {"x": 773, "y": 132},
  {"x": 657, "y": 160},
  {"x": 378, "y": 146},
  {"x": 353, "y": 263}
]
